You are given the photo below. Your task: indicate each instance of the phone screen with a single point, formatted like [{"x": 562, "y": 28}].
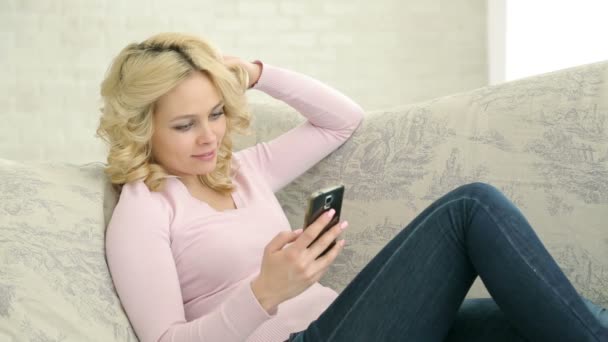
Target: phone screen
[{"x": 321, "y": 201}]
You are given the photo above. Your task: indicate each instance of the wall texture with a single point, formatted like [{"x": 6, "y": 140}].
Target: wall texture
[{"x": 382, "y": 54}]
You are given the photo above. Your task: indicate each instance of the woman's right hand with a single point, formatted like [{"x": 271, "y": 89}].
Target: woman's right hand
[{"x": 288, "y": 270}]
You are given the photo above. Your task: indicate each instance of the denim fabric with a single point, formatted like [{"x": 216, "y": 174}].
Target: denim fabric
[{"x": 413, "y": 290}]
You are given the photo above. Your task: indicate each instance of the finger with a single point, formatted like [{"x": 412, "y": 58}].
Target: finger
[
  {"x": 326, "y": 239},
  {"x": 320, "y": 266},
  {"x": 280, "y": 240},
  {"x": 312, "y": 231}
]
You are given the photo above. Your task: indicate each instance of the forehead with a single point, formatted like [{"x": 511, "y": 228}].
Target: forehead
[{"x": 196, "y": 94}]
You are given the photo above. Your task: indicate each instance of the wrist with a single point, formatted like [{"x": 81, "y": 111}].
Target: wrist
[
  {"x": 266, "y": 300},
  {"x": 258, "y": 67}
]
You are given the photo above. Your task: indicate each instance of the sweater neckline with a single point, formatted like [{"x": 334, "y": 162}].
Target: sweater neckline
[{"x": 234, "y": 195}]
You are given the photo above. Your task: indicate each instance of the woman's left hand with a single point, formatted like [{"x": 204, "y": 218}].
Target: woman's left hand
[{"x": 253, "y": 69}]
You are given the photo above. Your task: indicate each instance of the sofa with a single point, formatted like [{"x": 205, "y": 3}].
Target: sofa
[{"x": 542, "y": 140}]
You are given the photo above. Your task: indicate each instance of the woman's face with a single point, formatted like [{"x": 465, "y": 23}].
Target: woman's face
[{"x": 189, "y": 123}]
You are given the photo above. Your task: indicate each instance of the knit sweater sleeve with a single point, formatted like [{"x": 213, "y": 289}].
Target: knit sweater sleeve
[{"x": 331, "y": 116}]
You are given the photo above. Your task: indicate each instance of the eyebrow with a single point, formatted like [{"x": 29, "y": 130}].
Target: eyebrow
[{"x": 221, "y": 103}]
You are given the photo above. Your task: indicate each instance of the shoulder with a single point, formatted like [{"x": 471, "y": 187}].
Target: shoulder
[
  {"x": 137, "y": 193},
  {"x": 137, "y": 203},
  {"x": 140, "y": 225}
]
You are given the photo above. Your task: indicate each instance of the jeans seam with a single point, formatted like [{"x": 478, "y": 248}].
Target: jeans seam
[
  {"x": 514, "y": 246},
  {"x": 383, "y": 266}
]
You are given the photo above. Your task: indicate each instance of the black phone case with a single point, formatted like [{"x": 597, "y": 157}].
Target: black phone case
[{"x": 317, "y": 205}]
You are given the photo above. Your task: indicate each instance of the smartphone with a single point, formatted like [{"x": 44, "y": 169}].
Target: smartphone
[{"x": 320, "y": 202}]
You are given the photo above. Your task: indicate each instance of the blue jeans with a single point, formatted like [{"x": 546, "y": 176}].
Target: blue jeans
[{"x": 413, "y": 290}]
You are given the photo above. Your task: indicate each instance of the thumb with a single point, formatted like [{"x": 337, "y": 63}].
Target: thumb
[{"x": 280, "y": 240}]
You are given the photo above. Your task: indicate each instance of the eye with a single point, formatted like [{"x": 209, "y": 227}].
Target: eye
[
  {"x": 217, "y": 115},
  {"x": 184, "y": 127}
]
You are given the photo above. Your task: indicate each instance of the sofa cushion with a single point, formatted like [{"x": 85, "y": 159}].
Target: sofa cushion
[{"x": 54, "y": 282}]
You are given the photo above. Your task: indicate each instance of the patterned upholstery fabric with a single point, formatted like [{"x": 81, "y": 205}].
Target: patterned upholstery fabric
[
  {"x": 54, "y": 282},
  {"x": 541, "y": 140}
]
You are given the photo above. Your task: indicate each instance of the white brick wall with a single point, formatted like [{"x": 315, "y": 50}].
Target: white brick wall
[{"x": 382, "y": 54}]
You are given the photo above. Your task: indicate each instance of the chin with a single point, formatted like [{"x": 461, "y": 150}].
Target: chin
[{"x": 205, "y": 170}]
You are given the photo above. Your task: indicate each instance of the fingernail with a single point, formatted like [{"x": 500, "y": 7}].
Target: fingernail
[
  {"x": 342, "y": 243},
  {"x": 298, "y": 231},
  {"x": 343, "y": 225},
  {"x": 331, "y": 213}
]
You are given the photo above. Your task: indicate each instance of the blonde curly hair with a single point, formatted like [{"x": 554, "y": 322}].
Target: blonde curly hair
[{"x": 137, "y": 78}]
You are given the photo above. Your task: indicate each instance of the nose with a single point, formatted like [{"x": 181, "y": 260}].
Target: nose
[{"x": 205, "y": 135}]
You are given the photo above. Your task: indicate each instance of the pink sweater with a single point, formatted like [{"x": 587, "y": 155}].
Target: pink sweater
[{"x": 183, "y": 270}]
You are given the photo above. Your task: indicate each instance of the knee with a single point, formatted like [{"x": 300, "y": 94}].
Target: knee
[
  {"x": 482, "y": 193},
  {"x": 478, "y": 189},
  {"x": 487, "y": 195}
]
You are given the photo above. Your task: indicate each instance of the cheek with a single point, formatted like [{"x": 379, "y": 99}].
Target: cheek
[
  {"x": 157, "y": 147},
  {"x": 220, "y": 129},
  {"x": 181, "y": 144},
  {"x": 169, "y": 146},
  {"x": 220, "y": 134}
]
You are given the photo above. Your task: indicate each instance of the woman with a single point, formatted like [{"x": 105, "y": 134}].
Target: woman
[{"x": 200, "y": 250}]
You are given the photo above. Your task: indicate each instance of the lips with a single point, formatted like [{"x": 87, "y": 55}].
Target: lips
[
  {"x": 205, "y": 157},
  {"x": 204, "y": 154}
]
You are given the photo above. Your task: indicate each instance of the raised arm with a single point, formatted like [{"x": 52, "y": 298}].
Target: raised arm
[{"x": 332, "y": 119}]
